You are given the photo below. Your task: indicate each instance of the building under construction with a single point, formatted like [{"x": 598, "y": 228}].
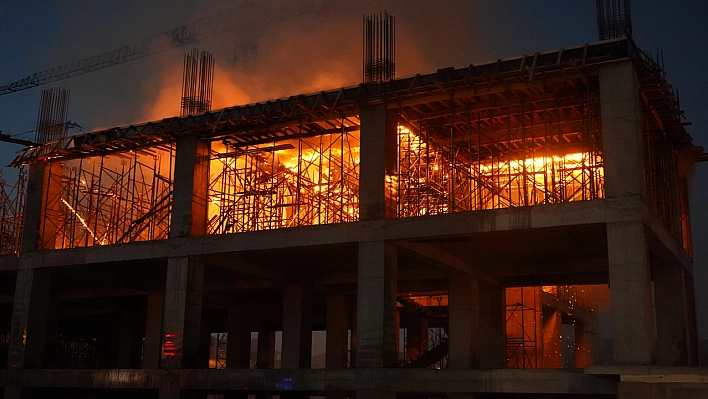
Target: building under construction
[{"x": 516, "y": 229}]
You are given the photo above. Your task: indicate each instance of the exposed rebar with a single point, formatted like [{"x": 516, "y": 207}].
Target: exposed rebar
[
  {"x": 614, "y": 19},
  {"x": 53, "y": 110},
  {"x": 197, "y": 83},
  {"x": 379, "y": 47}
]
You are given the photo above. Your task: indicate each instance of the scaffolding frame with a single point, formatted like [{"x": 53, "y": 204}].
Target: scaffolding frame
[
  {"x": 112, "y": 199},
  {"x": 522, "y": 149},
  {"x": 310, "y": 180},
  {"x": 12, "y": 203},
  {"x": 522, "y": 329}
]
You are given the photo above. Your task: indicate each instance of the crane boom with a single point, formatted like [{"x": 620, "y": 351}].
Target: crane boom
[{"x": 259, "y": 13}]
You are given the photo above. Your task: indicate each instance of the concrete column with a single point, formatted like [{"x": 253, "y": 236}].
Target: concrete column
[
  {"x": 622, "y": 145},
  {"x": 238, "y": 349},
  {"x": 463, "y": 319},
  {"x": 583, "y": 344},
  {"x": 376, "y": 305},
  {"x": 124, "y": 336},
  {"x": 552, "y": 339},
  {"x": 182, "y": 314},
  {"x": 42, "y": 206},
  {"x": 190, "y": 195},
  {"x": 671, "y": 314},
  {"x": 692, "y": 336},
  {"x": 354, "y": 342},
  {"x": 416, "y": 338},
  {"x": 379, "y": 129},
  {"x": 492, "y": 327},
  {"x": 630, "y": 294},
  {"x": 266, "y": 350},
  {"x": 337, "y": 332},
  {"x": 297, "y": 326},
  {"x": 153, "y": 330},
  {"x": 30, "y": 315}
]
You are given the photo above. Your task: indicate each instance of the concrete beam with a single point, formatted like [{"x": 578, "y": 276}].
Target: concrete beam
[
  {"x": 437, "y": 257},
  {"x": 399, "y": 380},
  {"x": 428, "y": 227},
  {"x": 232, "y": 263}
]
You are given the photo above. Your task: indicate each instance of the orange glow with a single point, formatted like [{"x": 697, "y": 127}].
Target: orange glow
[
  {"x": 81, "y": 219},
  {"x": 284, "y": 184},
  {"x": 431, "y": 181}
]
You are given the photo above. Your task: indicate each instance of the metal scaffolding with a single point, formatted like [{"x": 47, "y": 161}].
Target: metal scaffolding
[
  {"x": 110, "y": 199},
  {"x": 519, "y": 151},
  {"x": 12, "y": 202},
  {"x": 522, "y": 326},
  {"x": 298, "y": 182}
]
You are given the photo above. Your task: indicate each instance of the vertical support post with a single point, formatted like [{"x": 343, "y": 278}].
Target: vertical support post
[
  {"x": 583, "y": 344},
  {"x": 190, "y": 195},
  {"x": 416, "y": 338},
  {"x": 376, "y": 305},
  {"x": 492, "y": 327},
  {"x": 123, "y": 333},
  {"x": 297, "y": 326},
  {"x": 42, "y": 206},
  {"x": 692, "y": 334},
  {"x": 266, "y": 350},
  {"x": 379, "y": 129},
  {"x": 238, "y": 349},
  {"x": 622, "y": 144},
  {"x": 153, "y": 330},
  {"x": 337, "y": 332},
  {"x": 630, "y": 293},
  {"x": 623, "y": 153},
  {"x": 182, "y": 314},
  {"x": 552, "y": 341},
  {"x": 30, "y": 315},
  {"x": 463, "y": 318},
  {"x": 671, "y": 314}
]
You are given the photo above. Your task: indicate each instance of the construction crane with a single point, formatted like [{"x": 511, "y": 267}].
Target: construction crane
[{"x": 247, "y": 14}]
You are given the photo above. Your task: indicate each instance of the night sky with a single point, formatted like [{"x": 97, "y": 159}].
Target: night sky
[{"x": 322, "y": 50}]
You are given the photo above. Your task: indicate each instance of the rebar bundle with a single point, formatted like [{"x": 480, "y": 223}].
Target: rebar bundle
[
  {"x": 614, "y": 19},
  {"x": 197, "y": 82},
  {"x": 379, "y": 47},
  {"x": 53, "y": 109}
]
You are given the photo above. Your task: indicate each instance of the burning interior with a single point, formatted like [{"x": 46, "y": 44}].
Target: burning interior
[{"x": 110, "y": 199}]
